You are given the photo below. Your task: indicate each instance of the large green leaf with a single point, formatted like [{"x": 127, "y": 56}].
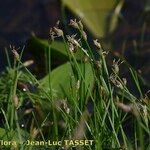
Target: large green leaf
[
  {"x": 94, "y": 13},
  {"x": 58, "y": 49},
  {"x": 63, "y": 76}
]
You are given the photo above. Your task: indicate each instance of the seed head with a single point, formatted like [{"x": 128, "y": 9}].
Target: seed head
[
  {"x": 56, "y": 32},
  {"x": 115, "y": 81},
  {"x": 98, "y": 64},
  {"x": 74, "y": 24},
  {"x": 15, "y": 53},
  {"x": 97, "y": 44},
  {"x": 71, "y": 39},
  {"x": 72, "y": 48},
  {"x": 62, "y": 105},
  {"x": 116, "y": 65}
]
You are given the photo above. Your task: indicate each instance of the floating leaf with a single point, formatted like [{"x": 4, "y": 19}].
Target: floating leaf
[
  {"x": 63, "y": 76},
  {"x": 58, "y": 48},
  {"x": 93, "y": 13}
]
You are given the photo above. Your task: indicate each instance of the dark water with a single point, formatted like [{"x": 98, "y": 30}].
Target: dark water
[
  {"x": 18, "y": 19},
  {"x": 134, "y": 33}
]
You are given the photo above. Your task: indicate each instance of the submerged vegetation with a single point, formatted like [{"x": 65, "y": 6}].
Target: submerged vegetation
[{"x": 83, "y": 103}]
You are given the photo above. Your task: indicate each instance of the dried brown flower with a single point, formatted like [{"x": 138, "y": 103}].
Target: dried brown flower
[
  {"x": 97, "y": 44},
  {"x": 116, "y": 65},
  {"x": 74, "y": 24},
  {"x": 56, "y": 32}
]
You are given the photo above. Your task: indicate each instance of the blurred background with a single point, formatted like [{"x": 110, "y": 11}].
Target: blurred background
[{"x": 122, "y": 26}]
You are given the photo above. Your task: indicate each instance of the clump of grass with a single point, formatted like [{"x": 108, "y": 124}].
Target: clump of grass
[{"x": 104, "y": 110}]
